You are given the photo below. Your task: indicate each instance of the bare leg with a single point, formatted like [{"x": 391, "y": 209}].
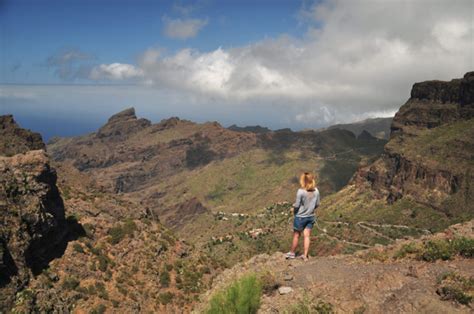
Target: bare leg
[
  {"x": 306, "y": 234},
  {"x": 294, "y": 244}
]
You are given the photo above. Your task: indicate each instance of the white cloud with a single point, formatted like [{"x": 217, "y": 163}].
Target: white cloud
[
  {"x": 115, "y": 71},
  {"x": 183, "y": 28},
  {"x": 357, "y": 59}
]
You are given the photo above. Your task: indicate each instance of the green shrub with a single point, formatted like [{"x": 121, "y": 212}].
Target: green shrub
[
  {"x": 165, "y": 278},
  {"x": 455, "y": 294},
  {"x": 437, "y": 249},
  {"x": 464, "y": 247},
  {"x": 78, "y": 248},
  {"x": 103, "y": 262},
  {"x": 70, "y": 283},
  {"x": 101, "y": 291},
  {"x": 242, "y": 296},
  {"x": 455, "y": 287},
  {"x": 165, "y": 298},
  {"x": 118, "y": 232},
  {"x": 99, "y": 309},
  {"x": 407, "y": 249}
]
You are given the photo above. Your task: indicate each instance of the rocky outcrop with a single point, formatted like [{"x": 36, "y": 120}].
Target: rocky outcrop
[
  {"x": 32, "y": 220},
  {"x": 122, "y": 125},
  {"x": 428, "y": 177},
  {"x": 15, "y": 140}
]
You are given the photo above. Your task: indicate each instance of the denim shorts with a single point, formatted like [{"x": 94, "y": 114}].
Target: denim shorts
[{"x": 301, "y": 223}]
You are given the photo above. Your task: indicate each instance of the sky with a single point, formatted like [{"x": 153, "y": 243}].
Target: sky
[{"x": 68, "y": 65}]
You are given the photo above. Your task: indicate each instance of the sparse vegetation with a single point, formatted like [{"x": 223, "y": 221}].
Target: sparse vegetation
[
  {"x": 99, "y": 309},
  {"x": 70, "y": 283},
  {"x": 164, "y": 278},
  {"x": 455, "y": 287},
  {"x": 165, "y": 297},
  {"x": 436, "y": 249},
  {"x": 118, "y": 232},
  {"x": 307, "y": 305},
  {"x": 445, "y": 249},
  {"x": 242, "y": 296},
  {"x": 78, "y": 248},
  {"x": 408, "y": 249}
]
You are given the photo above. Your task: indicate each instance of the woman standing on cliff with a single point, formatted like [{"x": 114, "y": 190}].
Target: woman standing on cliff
[{"x": 307, "y": 200}]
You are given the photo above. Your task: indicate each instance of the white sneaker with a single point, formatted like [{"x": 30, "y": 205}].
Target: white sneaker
[{"x": 290, "y": 255}]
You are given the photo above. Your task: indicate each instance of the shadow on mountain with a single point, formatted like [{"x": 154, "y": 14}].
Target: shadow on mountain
[
  {"x": 8, "y": 267},
  {"x": 38, "y": 254}
]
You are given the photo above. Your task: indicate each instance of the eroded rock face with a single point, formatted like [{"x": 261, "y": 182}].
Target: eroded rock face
[
  {"x": 33, "y": 228},
  {"x": 15, "y": 140},
  {"x": 434, "y": 103},
  {"x": 427, "y": 178},
  {"x": 32, "y": 220}
]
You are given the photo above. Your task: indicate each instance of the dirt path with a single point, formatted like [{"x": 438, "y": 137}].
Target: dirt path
[
  {"x": 358, "y": 283},
  {"x": 350, "y": 284}
]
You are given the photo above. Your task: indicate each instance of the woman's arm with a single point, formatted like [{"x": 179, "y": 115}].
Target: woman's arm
[
  {"x": 297, "y": 204},
  {"x": 318, "y": 200}
]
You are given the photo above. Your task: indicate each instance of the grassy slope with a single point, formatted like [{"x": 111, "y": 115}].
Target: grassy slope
[
  {"x": 243, "y": 183},
  {"x": 449, "y": 146}
]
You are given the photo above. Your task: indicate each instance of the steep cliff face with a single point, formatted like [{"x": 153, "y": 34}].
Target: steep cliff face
[
  {"x": 434, "y": 103},
  {"x": 32, "y": 221},
  {"x": 431, "y": 151}
]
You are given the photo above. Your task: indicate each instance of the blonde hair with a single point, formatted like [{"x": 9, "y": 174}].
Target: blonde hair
[{"x": 308, "y": 181}]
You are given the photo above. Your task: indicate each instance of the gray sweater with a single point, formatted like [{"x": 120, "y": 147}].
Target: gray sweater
[{"x": 306, "y": 202}]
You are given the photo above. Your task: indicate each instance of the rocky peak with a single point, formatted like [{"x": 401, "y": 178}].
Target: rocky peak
[
  {"x": 122, "y": 124},
  {"x": 125, "y": 114},
  {"x": 15, "y": 140}
]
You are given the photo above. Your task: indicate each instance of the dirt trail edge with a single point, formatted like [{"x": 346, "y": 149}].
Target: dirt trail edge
[{"x": 353, "y": 283}]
